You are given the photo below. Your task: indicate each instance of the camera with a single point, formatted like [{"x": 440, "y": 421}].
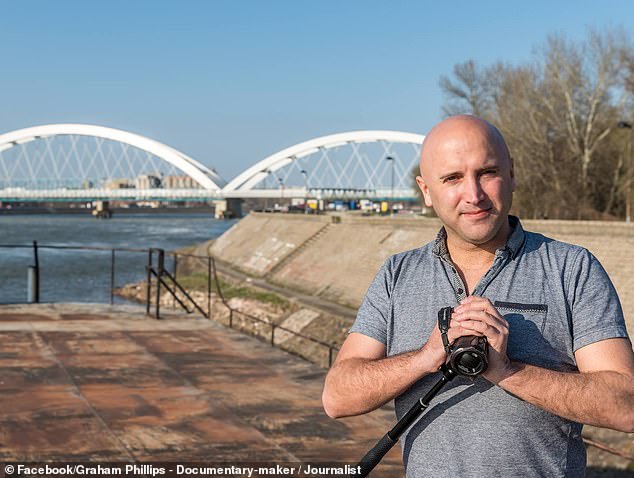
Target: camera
[{"x": 467, "y": 356}]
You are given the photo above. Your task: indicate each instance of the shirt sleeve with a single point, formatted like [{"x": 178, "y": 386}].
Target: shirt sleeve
[
  {"x": 596, "y": 309},
  {"x": 374, "y": 314}
]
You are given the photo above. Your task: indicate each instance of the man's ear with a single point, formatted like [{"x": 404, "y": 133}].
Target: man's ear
[{"x": 425, "y": 190}]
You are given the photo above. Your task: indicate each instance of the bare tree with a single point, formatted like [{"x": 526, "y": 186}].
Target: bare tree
[
  {"x": 471, "y": 92},
  {"x": 586, "y": 85},
  {"x": 558, "y": 115}
]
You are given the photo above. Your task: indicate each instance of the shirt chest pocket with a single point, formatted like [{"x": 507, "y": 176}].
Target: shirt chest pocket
[{"x": 526, "y": 340}]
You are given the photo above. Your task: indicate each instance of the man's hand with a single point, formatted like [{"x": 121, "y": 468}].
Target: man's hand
[
  {"x": 477, "y": 316},
  {"x": 434, "y": 348},
  {"x": 363, "y": 378},
  {"x": 600, "y": 394}
]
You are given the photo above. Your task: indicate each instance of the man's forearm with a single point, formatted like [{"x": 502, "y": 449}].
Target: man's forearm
[
  {"x": 355, "y": 386},
  {"x": 604, "y": 399}
]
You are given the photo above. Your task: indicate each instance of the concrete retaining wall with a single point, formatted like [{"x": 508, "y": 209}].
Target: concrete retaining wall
[
  {"x": 337, "y": 261},
  {"x": 259, "y": 242}
]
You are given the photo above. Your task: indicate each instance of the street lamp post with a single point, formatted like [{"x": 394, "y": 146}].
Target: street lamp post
[
  {"x": 391, "y": 159},
  {"x": 628, "y": 181},
  {"x": 281, "y": 181},
  {"x": 266, "y": 199},
  {"x": 305, "y": 174}
]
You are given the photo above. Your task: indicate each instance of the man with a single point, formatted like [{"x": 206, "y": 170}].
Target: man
[{"x": 559, "y": 354}]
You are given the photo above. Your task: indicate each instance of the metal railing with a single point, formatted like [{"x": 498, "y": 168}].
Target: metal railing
[{"x": 158, "y": 274}]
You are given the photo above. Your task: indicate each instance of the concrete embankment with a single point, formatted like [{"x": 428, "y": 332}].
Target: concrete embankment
[{"x": 337, "y": 260}]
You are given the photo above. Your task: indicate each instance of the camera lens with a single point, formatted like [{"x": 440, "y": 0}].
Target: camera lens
[
  {"x": 469, "y": 356},
  {"x": 469, "y": 362}
]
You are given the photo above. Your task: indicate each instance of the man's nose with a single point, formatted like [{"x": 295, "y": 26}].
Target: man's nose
[{"x": 473, "y": 192}]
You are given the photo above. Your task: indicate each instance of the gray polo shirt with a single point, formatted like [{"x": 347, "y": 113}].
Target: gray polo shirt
[{"x": 556, "y": 297}]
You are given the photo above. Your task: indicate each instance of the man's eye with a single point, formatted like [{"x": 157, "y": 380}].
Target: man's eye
[{"x": 450, "y": 179}]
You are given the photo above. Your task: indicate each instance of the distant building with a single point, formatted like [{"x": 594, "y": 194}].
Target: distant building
[
  {"x": 117, "y": 184},
  {"x": 148, "y": 181},
  {"x": 180, "y": 182}
]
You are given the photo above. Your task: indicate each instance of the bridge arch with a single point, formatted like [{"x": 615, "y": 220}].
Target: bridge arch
[
  {"x": 251, "y": 176},
  {"x": 205, "y": 176}
]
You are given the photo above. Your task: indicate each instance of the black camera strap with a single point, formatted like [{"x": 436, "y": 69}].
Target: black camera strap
[{"x": 444, "y": 319}]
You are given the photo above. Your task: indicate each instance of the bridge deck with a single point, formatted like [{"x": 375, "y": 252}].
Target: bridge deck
[{"x": 98, "y": 383}]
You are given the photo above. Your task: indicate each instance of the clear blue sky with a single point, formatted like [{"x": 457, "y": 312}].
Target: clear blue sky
[{"x": 230, "y": 82}]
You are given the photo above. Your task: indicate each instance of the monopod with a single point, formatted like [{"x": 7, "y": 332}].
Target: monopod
[{"x": 467, "y": 356}]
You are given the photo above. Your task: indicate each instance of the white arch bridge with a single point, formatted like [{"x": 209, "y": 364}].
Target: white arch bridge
[{"x": 78, "y": 162}]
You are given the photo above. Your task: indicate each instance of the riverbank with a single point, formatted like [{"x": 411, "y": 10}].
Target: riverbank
[{"x": 311, "y": 328}]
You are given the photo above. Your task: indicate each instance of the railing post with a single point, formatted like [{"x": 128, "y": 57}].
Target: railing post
[
  {"x": 36, "y": 273},
  {"x": 112, "y": 277},
  {"x": 149, "y": 282},
  {"x": 218, "y": 289},
  {"x": 30, "y": 285},
  {"x": 231, "y": 318},
  {"x": 175, "y": 265},
  {"x": 209, "y": 287},
  {"x": 329, "y": 357},
  {"x": 159, "y": 275},
  {"x": 272, "y": 334}
]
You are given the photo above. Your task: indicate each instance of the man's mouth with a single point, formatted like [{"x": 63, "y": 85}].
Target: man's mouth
[{"x": 478, "y": 213}]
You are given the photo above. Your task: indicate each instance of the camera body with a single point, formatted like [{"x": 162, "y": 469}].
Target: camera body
[{"x": 467, "y": 356}]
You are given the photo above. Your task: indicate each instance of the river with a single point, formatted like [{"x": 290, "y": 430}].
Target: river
[{"x": 84, "y": 276}]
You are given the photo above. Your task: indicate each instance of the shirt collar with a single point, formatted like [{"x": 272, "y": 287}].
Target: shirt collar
[{"x": 513, "y": 244}]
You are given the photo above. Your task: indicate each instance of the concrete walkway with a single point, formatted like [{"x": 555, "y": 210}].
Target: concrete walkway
[{"x": 92, "y": 382}]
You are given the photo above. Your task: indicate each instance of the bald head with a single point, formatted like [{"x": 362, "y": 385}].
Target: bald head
[
  {"x": 454, "y": 133},
  {"x": 467, "y": 177}
]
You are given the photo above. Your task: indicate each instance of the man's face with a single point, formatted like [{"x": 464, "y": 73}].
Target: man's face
[{"x": 468, "y": 180}]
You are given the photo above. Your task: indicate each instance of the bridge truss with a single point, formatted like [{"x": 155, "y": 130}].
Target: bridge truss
[
  {"x": 352, "y": 164},
  {"x": 76, "y": 156},
  {"x": 84, "y": 162}
]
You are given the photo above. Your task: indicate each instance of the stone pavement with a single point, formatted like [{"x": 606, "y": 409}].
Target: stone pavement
[{"x": 90, "y": 382}]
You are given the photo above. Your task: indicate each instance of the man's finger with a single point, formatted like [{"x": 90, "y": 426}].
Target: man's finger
[
  {"x": 454, "y": 332},
  {"x": 482, "y": 327},
  {"x": 482, "y": 304},
  {"x": 492, "y": 320}
]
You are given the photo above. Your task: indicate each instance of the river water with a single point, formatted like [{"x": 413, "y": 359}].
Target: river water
[{"x": 84, "y": 276}]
